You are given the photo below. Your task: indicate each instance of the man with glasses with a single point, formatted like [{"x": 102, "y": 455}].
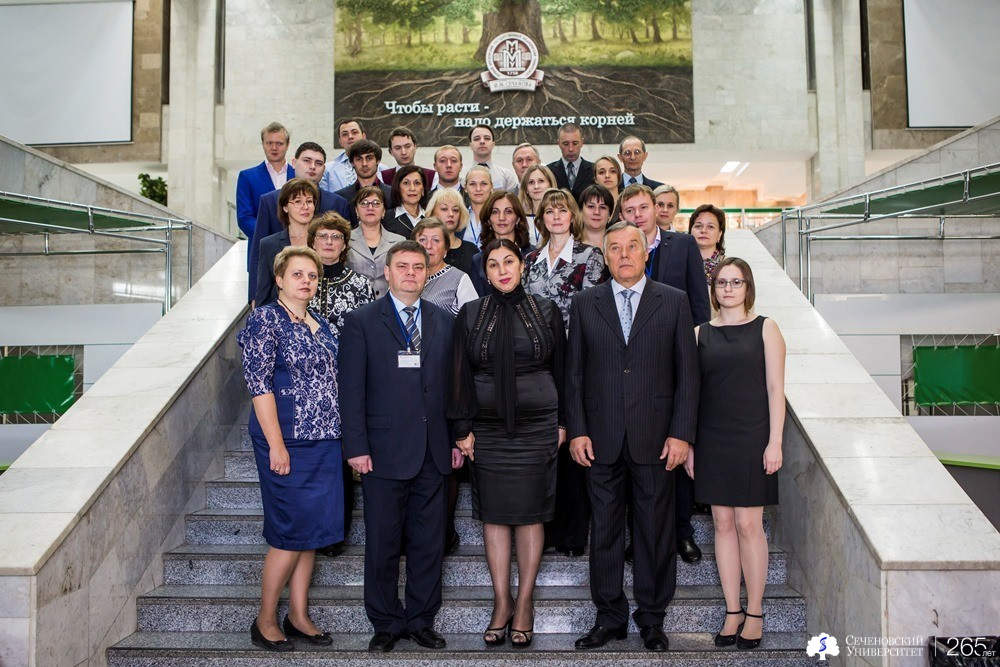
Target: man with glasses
[
  {"x": 632, "y": 154},
  {"x": 365, "y": 156},
  {"x": 309, "y": 163}
]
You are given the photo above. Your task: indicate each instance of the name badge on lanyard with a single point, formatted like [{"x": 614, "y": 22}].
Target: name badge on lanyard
[{"x": 408, "y": 359}]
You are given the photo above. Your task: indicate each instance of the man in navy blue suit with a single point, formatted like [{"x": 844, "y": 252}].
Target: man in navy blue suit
[
  {"x": 269, "y": 175},
  {"x": 309, "y": 161},
  {"x": 673, "y": 260},
  {"x": 393, "y": 372}
]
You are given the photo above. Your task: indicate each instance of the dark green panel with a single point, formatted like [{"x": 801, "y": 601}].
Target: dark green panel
[
  {"x": 14, "y": 209},
  {"x": 962, "y": 375},
  {"x": 986, "y": 186},
  {"x": 42, "y": 384}
]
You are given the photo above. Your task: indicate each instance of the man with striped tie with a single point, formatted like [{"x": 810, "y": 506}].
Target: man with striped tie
[
  {"x": 632, "y": 387},
  {"x": 393, "y": 363}
]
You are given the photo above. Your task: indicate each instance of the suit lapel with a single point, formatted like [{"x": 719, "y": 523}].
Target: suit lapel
[
  {"x": 427, "y": 329},
  {"x": 391, "y": 321},
  {"x": 649, "y": 303},
  {"x": 666, "y": 245},
  {"x": 606, "y": 306}
]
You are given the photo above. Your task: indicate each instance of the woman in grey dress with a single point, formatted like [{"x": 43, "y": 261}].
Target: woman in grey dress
[{"x": 447, "y": 287}]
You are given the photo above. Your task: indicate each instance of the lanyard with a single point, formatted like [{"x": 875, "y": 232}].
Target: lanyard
[
  {"x": 402, "y": 327},
  {"x": 652, "y": 261},
  {"x": 472, "y": 228}
]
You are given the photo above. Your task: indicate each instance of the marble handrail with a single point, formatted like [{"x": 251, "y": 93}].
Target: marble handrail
[{"x": 882, "y": 541}]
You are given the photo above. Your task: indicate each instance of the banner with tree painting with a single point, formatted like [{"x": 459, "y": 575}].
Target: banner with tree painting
[{"x": 616, "y": 67}]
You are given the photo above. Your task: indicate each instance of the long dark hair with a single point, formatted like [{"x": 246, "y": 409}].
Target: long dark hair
[{"x": 520, "y": 229}]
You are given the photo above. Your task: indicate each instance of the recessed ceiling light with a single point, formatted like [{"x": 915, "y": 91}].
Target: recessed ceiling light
[
  {"x": 742, "y": 169},
  {"x": 729, "y": 167}
]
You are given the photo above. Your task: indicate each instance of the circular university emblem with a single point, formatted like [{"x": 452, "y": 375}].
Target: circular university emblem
[{"x": 512, "y": 55}]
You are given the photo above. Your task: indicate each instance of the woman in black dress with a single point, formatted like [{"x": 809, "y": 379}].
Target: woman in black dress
[
  {"x": 506, "y": 403},
  {"x": 741, "y": 417}
]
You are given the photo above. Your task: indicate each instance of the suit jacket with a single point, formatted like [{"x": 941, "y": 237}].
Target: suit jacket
[
  {"x": 396, "y": 413},
  {"x": 351, "y": 190},
  {"x": 646, "y": 180},
  {"x": 265, "y": 287},
  {"x": 584, "y": 178},
  {"x": 372, "y": 266},
  {"x": 679, "y": 264},
  {"x": 251, "y": 184},
  {"x": 641, "y": 392},
  {"x": 268, "y": 224}
]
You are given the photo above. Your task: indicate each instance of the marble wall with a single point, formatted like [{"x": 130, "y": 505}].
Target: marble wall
[
  {"x": 881, "y": 540},
  {"x": 87, "y": 511}
]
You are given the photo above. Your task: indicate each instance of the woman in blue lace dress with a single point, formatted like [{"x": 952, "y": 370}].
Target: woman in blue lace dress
[{"x": 289, "y": 362}]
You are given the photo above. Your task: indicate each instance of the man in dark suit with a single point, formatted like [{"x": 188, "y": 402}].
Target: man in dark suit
[
  {"x": 673, "y": 259},
  {"x": 572, "y": 172},
  {"x": 394, "y": 359},
  {"x": 269, "y": 175},
  {"x": 310, "y": 162},
  {"x": 632, "y": 154},
  {"x": 632, "y": 388},
  {"x": 403, "y": 148},
  {"x": 365, "y": 156}
]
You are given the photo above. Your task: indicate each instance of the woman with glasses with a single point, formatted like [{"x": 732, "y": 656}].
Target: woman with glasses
[
  {"x": 296, "y": 207},
  {"x": 369, "y": 258},
  {"x": 340, "y": 289},
  {"x": 741, "y": 416}
]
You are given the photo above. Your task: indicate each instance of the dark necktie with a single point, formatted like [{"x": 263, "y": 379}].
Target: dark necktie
[
  {"x": 571, "y": 174},
  {"x": 411, "y": 327}
]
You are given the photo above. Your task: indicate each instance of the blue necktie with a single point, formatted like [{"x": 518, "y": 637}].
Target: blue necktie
[
  {"x": 411, "y": 327},
  {"x": 626, "y": 315}
]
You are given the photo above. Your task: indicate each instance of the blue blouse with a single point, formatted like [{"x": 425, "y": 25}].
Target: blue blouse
[{"x": 286, "y": 359}]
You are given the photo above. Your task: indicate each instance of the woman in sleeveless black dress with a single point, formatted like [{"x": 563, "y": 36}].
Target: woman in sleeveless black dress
[
  {"x": 506, "y": 406},
  {"x": 741, "y": 416}
]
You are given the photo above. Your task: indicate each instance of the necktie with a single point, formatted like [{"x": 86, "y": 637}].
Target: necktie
[
  {"x": 571, "y": 174},
  {"x": 631, "y": 180},
  {"x": 627, "y": 312},
  {"x": 483, "y": 164},
  {"x": 411, "y": 327}
]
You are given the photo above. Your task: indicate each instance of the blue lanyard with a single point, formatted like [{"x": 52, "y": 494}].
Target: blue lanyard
[
  {"x": 402, "y": 327},
  {"x": 652, "y": 261},
  {"x": 472, "y": 226}
]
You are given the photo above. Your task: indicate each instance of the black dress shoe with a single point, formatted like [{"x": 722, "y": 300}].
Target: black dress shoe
[
  {"x": 653, "y": 638},
  {"x": 331, "y": 551},
  {"x": 689, "y": 551},
  {"x": 322, "y": 639},
  {"x": 257, "y": 638},
  {"x": 452, "y": 544},
  {"x": 574, "y": 552},
  {"x": 382, "y": 642},
  {"x": 701, "y": 508},
  {"x": 600, "y": 635},
  {"x": 426, "y": 637},
  {"x": 744, "y": 643}
]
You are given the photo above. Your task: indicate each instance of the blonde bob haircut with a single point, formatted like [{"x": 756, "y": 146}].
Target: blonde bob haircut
[{"x": 449, "y": 196}]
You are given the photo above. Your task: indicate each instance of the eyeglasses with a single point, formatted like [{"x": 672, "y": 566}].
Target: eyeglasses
[
  {"x": 336, "y": 236},
  {"x": 735, "y": 283},
  {"x": 370, "y": 203},
  {"x": 302, "y": 202},
  {"x": 635, "y": 153}
]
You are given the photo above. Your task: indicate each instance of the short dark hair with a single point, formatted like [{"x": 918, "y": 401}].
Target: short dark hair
[
  {"x": 401, "y": 173},
  {"x": 310, "y": 146},
  {"x": 500, "y": 243},
  {"x": 483, "y": 126},
  {"x": 406, "y": 246},
  {"x": 368, "y": 191},
  {"x": 294, "y": 187},
  {"x": 599, "y": 192},
  {"x": 569, "y": 127},
  {"x": 401, "y": 131},
  {"x": 333, "y": 221},
  {"x": 720, "y": 217},
  {"x": 348, "y": 121},
  {"x": 364, "y": 147},
  {"x": 747, "y": 276}
]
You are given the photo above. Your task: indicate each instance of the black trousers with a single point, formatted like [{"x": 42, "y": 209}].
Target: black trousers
[
  {"x": 416, "y": 508},
  {"x": 654, "y": 540},
  {"x": 572, "y": 521},
  {"x": 684, "y": 492}
]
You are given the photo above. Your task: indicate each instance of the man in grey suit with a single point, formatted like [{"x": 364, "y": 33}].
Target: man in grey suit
[{"x": 632, "y": 387}]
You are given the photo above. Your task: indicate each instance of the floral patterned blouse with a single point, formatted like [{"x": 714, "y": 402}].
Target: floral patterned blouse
[
  {"x": 338, "y": 295},
  {"x": 710, "y": 265},
  {"x": 299, "y": 367},
  {"x": 567, "y": 278}
]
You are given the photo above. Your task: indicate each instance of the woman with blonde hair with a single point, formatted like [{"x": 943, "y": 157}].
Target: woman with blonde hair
[
  {"x": 447, "y": 206},
  {"x": 536, "y": 180}
]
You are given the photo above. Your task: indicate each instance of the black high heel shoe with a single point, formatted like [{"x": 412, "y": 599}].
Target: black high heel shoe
[
  {"x": 729, "y": 640},
  {"x": 322, "y": 639},
  {"x": 498, "y": 636},
  {"x": 744, "y": 643},
  {"x": 257, "y": 638}
]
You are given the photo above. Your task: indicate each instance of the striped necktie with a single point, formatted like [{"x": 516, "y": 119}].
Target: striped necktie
[
  {"x": 411, "y": 327},
  {"x": 627, "y": 313}
]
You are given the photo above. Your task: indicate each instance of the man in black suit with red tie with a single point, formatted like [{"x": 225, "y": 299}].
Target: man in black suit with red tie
[
  {"x": 572, "y": 172},
  {"x": 632, "y": 387}
]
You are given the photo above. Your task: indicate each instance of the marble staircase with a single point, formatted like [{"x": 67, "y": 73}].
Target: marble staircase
[{"x": 200, "y": 615}]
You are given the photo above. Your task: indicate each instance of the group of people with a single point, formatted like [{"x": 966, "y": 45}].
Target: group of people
[{"x": 541, "y": 330}]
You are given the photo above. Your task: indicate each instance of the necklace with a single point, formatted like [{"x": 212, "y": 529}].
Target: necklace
[{"x": 295, "y": 318}]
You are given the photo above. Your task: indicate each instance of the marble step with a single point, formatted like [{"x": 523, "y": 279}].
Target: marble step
[
  {"x": 233, "y": 649},
  {"x": 239, "y": 493},
  {"x": 244, "y": 526},
  {"x": 241, "y": 565},
  {"x": 558, "y": 609}
]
